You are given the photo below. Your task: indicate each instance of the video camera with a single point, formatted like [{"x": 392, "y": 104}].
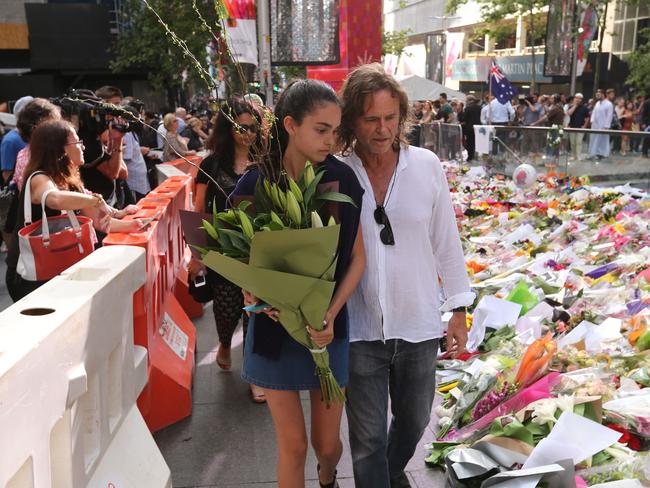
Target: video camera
[{"x": 94, "y": 116}]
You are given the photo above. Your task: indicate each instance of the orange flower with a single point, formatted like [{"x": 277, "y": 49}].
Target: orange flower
[{"x": 536, "y": 360}]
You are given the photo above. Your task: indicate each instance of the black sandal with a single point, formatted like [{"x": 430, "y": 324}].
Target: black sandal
[{"x": 333, "y": 484}]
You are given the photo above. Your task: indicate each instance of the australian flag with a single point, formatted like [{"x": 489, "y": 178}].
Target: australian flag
[{"x": 499, "y": 84}]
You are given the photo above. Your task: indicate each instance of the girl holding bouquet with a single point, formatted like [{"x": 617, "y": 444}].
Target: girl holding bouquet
[{"x": 307, "y": 116}]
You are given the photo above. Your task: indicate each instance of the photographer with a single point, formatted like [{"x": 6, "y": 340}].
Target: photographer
[
  {"x": 102, "y": 132},
  {"x": 579, "y": 119},
  {"x": 532, "y": 109}
]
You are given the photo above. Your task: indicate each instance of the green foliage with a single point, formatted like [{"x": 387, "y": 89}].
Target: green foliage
[
  {"x": 295, "y": 207},
  {"x": 146, "y": 45},
  {"x": 639, "y": 63},
  {"x": 494, "y": 12},
  {"x": 394, "y": 42}
]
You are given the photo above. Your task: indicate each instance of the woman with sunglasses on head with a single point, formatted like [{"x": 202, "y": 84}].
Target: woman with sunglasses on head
[
  {"x": 306, "y": 118},
  {"x": 233, "y": 145},
  {"x": 174, "y": 147},
  {"x": 56, "y": 153}
]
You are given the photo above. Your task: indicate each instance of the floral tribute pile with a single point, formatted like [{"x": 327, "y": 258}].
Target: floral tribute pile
[{"x": 555, "y": 388}]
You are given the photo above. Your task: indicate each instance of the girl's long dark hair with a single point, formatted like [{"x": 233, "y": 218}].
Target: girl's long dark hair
[
  {"x": 47, "y": 154},
  {"x": 221, "y": 142},
  {"x": 298, "y": 100}
]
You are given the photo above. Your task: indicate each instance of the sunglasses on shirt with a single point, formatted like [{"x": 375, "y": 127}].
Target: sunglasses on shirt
[{"x": 386, "y": 234}]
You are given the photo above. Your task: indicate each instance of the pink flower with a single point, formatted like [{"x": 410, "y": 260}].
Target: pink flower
[{"x": 619, "y": 242}]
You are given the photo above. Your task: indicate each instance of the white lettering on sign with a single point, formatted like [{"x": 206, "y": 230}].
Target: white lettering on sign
[{"x": 174, "y": 337}]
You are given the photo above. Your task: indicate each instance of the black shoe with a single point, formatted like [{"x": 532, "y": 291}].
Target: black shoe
[
  {"x": 333, "y": 484},
  {"x": 401, "y": 481}
]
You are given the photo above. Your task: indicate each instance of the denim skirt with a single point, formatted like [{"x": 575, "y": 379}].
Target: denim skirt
[{"x": 295, "y": 368}]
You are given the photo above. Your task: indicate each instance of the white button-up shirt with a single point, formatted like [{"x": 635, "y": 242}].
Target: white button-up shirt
[
  {"x": 399, "y": 295},
  {"x": 498, "y": 112}
]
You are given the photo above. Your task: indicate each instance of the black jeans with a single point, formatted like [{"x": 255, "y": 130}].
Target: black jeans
[{"x": 405, "y": 372}]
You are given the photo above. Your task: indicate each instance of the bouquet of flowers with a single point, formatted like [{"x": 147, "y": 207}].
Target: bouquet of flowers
[
  {"x": 482, "y": 399},
  {"x": 554, "y": 136},
  {"x": 284, "y": 255}
]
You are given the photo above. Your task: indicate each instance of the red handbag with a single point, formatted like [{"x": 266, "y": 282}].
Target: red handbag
[{"x": 51, "y": 245}]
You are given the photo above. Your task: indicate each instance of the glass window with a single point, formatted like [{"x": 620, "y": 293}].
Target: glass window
[
  {"x": 539, "y": 37},
  {"x": 628, "y": 37},
  {"x": 617, "y": 37},
  {"x": 476, "y": 44},
  {"x": 641, "y": 36},
  {"x": 619, "y": 11},
  {"x": 644, "y": 11}
]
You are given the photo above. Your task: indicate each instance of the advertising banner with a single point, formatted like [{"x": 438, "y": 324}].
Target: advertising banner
[{"x": 241, "y": 30}]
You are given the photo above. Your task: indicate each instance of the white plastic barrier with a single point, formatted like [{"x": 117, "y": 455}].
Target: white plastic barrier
[
  {"x": 69, "y": 379},
  {"x": 164, "y": 171}
]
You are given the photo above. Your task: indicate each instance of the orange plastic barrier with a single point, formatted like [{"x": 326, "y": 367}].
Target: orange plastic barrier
[
  {"x": 192, "y": 308},
  {"x": 187, "y": 168},
  {"x": 160, "y": 323}
]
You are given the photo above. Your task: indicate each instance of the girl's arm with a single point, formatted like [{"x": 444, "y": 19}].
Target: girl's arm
[{"x": 347, "y": 285}]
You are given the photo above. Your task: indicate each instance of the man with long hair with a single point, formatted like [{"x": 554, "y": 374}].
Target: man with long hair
[{"x": 411, "y": 241}]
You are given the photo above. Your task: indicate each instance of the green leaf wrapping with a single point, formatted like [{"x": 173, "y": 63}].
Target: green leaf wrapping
[{"x": 293, "y": 271}]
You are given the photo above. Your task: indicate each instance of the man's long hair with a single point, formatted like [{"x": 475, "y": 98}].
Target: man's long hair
[{"x": 361, "y": 82}]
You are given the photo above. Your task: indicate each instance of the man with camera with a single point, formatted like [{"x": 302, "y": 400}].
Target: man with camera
[
  {"x": 578, "y": 119},
  {"x": 532, "y": 109},
  {"x": 103, "y": 137}
]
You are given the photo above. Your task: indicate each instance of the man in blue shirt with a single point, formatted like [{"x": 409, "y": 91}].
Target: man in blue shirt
[{"x": 12, "y": 144}]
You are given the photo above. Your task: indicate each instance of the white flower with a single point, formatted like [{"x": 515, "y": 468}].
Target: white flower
[
  {"x": 444, "y": 422},
  {"x": 444, "y": 412},
  {"x": 544, "y": 412},
  {"x": 565, "y": 403}
]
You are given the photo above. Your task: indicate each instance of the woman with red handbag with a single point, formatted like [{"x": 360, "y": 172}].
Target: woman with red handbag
[{"x": 53, "y": 185}]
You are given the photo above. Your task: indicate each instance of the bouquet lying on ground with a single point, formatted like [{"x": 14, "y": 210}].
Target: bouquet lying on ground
[
  {"x": 497, "y": 381},
  {"x": 283, "y": 255}
]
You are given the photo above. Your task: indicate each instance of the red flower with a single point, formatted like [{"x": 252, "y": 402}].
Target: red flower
[{"x": 627, "y": 438}]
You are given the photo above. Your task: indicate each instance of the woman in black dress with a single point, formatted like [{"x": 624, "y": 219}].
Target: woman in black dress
[{"x": 232, "y": 145}]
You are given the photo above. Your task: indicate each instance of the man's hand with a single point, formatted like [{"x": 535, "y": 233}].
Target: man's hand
[{"x": 457, "y": 334}]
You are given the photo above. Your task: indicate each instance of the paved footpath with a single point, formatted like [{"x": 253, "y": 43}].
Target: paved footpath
[{"x": 229, "y": 440}]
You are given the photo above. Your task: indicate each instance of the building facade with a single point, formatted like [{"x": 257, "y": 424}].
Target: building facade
[
  {"x": 48, "y": 47},
  {"x": 450, "y": 48}
]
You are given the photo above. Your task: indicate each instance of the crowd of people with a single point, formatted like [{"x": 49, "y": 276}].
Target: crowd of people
[
  {"x": 605, "y": 111},
  {"x": 98, "y": 171}
]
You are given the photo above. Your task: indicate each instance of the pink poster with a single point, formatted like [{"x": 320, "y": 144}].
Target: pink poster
[{"x": 454, "y": 49}]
